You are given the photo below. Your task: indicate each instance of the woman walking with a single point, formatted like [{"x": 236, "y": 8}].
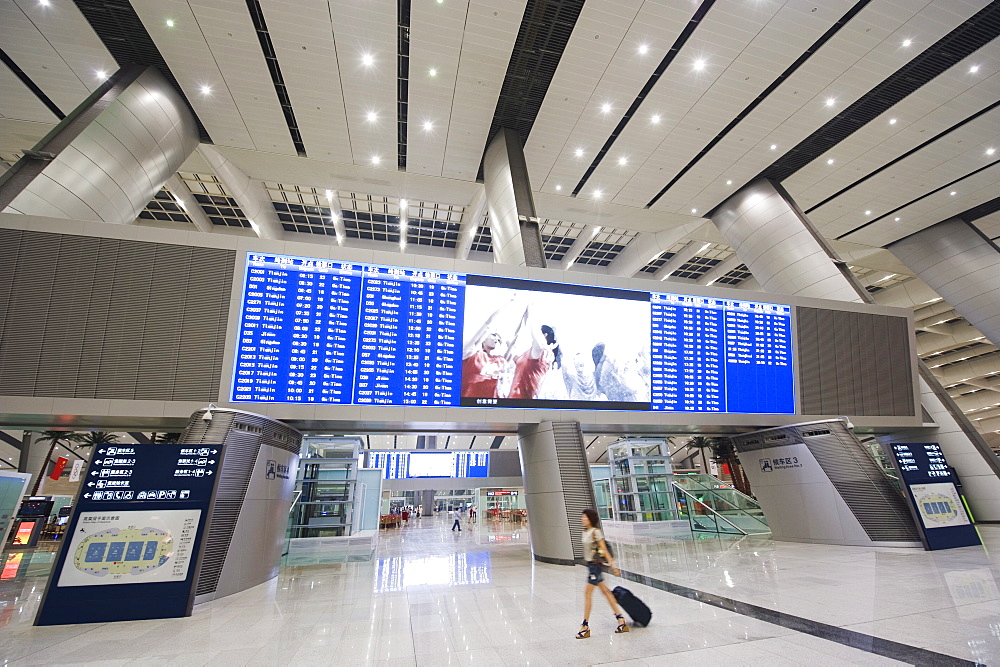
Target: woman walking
[{"x": 596, "y": 552}]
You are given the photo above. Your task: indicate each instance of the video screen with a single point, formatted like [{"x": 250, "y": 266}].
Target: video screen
[
  {"x": 531, "y": 344},
  {"x": 432, "y": 465}
]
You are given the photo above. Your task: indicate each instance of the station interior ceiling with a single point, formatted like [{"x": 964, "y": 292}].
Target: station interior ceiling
[{"x": 721, "y": 108}]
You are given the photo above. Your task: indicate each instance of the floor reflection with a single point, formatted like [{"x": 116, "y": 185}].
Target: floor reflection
[{"x": 459, "y": 569}]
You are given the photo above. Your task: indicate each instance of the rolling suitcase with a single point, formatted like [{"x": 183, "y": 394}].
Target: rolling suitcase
[{"x": 633, "y": 606}]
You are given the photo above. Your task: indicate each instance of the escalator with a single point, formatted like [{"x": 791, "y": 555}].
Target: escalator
[{"x": 712, "y": 506}]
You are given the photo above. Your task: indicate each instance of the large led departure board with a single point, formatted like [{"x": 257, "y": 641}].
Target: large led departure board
[{"x": 326, "y": 332}]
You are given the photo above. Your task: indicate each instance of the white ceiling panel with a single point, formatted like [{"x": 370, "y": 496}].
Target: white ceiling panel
[
  {"x": 70, "y": 34},
  {"x": 940, "y": 206},
  {"x": 231, "y": 36},
  {"x": 490, "y": 32},
  {"x": 989, "y": 225},
  {"x": 302, "y": 35},
  {"x": 363, "y": 29},
  {"x": 949, "y": 98},
  {"x": 597, "y": 37},
  {"x": 187, "y": 54},
  {"x": 860, "y": 56},
  {"x": 41, "y": 61},
  {"x": 961, "y": 152},
  {"x": 19, "y": 103},
  {"x": 437, "y": 32},
  {"x": 734, "y": 75}
]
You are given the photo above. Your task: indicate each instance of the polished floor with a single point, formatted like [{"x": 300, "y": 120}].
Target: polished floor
[{"x": 437, "y": 597}]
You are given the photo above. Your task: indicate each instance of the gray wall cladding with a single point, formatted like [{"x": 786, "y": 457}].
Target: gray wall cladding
[
  {"x": 88, "y": 317},
  {"x": 854, "y": 364}
]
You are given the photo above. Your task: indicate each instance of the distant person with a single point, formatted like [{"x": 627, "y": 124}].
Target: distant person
[
  {"x": 481, "y": 365},
  {"x": 596, "y": 553},
  {"x": 457, "y": 516},
  {"x": 406, "y": 516}
]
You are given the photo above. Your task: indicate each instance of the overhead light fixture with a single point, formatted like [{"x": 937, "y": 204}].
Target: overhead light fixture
[
  {"x": 655, "y": 119},
  {"x": 606, "y": 107},
  {"x": 694, "y": 210},
  {"x": 892, "y": 121},
  {"x": 558, "y": 188},
  {"x": 170, "y": 23},
  {"x": 907, "y": 42},
  {"x": 43, "y": 3},
  {"x": 428, "y": 126},
  {"x": 973, "y": 69},
  {"x": 367, "y": 60},
  {"x": 774, "y": 146},
  {"x": 206, "y": 90},
  {"x": 830, "y": 161},
  {"x": 433, "y": 71},
  {"x": 598, "y": 194},
  {"x": 101, "y": 74},
  {"x": 372, "y": 116},
  {"x": 729, "y": 182},
  {"x": 622, "y": 161},
  {"x": 578, "y": 152},
  {"x": 830, "y": 101},
  {"x": 868, "y": 212},
  {"x": 699, "y": 65},
  {"x": 376, "y": 159},
  {"x": 953, "y": 193},
  {"x": 896, "y": 219},
  {"x": 990, "y": 151},
  {"x": 643, "y": 49}
]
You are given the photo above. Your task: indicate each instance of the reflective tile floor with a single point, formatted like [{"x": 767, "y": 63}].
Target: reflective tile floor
[{"x": 436, "y": 597}]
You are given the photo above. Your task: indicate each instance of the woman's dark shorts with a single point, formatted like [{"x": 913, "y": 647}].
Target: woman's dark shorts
[{"x": 595, "y": 574}]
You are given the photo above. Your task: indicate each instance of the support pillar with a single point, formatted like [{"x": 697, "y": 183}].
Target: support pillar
[
  {"x": 787, "y": 255},
  {"x": 960, "y": 264},
  {"x": 427, "y": 500},
  {"x": 557, "y": 488},
  {"x": 513, "y": 222},
  {"x": 248, "y": 193}
]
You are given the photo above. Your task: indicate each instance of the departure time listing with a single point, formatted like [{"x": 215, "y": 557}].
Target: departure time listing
[{"x": 319, "y": 331}]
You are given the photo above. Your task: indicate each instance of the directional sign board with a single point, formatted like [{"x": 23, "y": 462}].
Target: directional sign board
[
  {"x": 932, "y": 496},
  {"x": 133, "y": 545}
]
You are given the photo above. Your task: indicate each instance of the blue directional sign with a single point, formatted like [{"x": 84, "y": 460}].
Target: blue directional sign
[{"x": 133, "y": 545}]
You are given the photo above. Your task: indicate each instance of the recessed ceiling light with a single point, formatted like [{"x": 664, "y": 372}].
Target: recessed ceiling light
[
  {"x": 694, "y": 210},
  {"x": 892, "y": 121},
  {"x": 606, "y": 107},
  {"x": 774, "y": 146},
  {"x": 367, "y": 60},
  {"x": 953, "y": 193},
  {"x": 699, "y": 65},
  {"x": 830, "y": 101},
  {"x": 896, "y": 219},
  {"x": 433, "y": 71},
  {"x": 622, "y": 161},
  {"x": 206, "y": 90},
  {"x": 376, "y": 159},
  {"x": 558, "y": 188},
  {"x": 578, "y": 152},
  {"x": 43, "y": 3},
  {"x": 101, "y": 74},
  {"x": 428, "y": 126},
  {"x": 830, "y": 161},
  {"x": 868, "y": 212},
  {"x": 729, "y": 182},
  {"x": 372, "y": 116},
  {"x": 655, "y": 119},
  {"x": 990, "y": 151},
  {"x": 170, "y": 23},
  {"x": 440, "y": 2},
  {"x": 907, "y": 42},
  {"x": 973, "y": 69},
  {"x": 598, "y": 194},
  {"x": 643, "y": 49}
]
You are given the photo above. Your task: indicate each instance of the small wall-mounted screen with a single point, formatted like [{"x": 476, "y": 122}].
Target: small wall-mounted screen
[{"x": 410, "y": 465}]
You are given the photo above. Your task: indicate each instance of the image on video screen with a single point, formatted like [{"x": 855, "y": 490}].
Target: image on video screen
[{"x": 537, "y": 345}]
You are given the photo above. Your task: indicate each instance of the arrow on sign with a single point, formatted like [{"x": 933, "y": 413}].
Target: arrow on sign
[
  {"x": 90, "y": 483},
  {"x": 86, "y": 495},
  {"x": 215, "y": 451},
  {"x": 94, "y": 473},
  {"x": 212, "y": 461},
  {"x": 209, "y": 472}
]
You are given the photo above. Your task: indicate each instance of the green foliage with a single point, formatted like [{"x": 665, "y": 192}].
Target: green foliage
[{"x": 94, "y": 438}]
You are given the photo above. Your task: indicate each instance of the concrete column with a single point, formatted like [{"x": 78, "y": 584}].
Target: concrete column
[
  {"x": 961, "y": 265},
  {"x": 427, "y": 500},
  {"x": 786, "y": 254},
  {"x": 248, "y": 193},
  {"x": 516, "y": 236},
  {"x": 474, "y": 213},
  {"x": 557, "y": 488}
]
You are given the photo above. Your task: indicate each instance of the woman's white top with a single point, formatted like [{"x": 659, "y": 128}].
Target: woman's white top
[{"x": 591, "y": 540}]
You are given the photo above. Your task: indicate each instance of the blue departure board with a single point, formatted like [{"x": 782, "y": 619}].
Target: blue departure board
[
  {"x": 397, "y": 465},
  {"x": 344, "y": 333}
]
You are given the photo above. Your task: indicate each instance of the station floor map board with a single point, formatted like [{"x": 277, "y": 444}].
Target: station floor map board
[
  {"x": 324, "y": 332},
  {"x": 133, "y": 544}
]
